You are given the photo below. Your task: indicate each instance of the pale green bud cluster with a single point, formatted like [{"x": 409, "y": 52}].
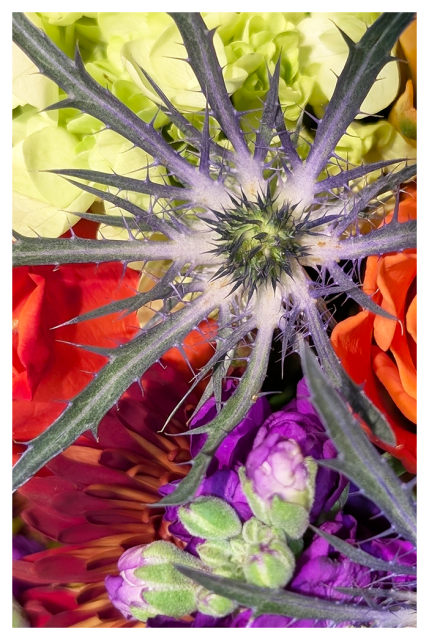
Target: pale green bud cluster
[{"x": 251, "y": 552}]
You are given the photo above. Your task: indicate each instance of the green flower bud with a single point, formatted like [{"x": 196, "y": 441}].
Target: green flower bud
[
  {"x": 213, "y": 605},
  {"x": 215, "y": 553},
  {"x": 149, "y": 585},
  {"x": 291, "y": 518},
  {"x": 210, "y": 518},
  {"x": 270, "y": 565},
  {"x": 238, "y": 548},
  {"x": 254, "y": 531},
  {"x": 288, "y": 512}
]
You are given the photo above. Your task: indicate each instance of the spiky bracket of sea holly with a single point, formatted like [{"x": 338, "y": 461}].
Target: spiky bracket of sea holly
[{"x": 251, "y": 270}]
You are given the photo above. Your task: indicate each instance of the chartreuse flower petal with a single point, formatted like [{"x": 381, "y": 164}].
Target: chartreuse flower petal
[
  {"x": 323, "y": 54},
  {"x": 28, "y": 85},
  {"x": 30, "y": 120},
  {"x": 38, "y": 197},
  {"x": 61, "y": 19},
  {"x": 66, "y": 29}
]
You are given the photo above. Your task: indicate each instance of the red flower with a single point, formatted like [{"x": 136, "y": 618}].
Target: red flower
[
  {"x": 47, "y": 372},
  {"x": 381, "y": 353}
]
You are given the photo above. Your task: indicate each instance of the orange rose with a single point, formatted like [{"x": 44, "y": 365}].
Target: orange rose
[{"x": 381, "y": 353}]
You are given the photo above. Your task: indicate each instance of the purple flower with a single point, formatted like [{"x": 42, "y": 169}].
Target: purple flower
[
  {"x": 238, "y": 443},
  {"x": 320, "y": 568},
  {"x": 277, "y": 467},
  {"x": 297, "y": 422},
  {"x": 319, "y": 572},
  {"x": 396, "y": 551},
  {"x": 23, "y": 546},
  {"x": 125, "y": 590}
]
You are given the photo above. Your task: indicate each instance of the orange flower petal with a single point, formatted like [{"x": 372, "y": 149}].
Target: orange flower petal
[
  {"x": 411, "y": 319},
  {"x": 351, "y": 340},
  {"x": 406, "y": 368},
  {"x": 35, "y": 345},
  {"x": 370, "y": 286},
  {"x": 387, "y": 373},
  {"x": 395, "y": 275}
]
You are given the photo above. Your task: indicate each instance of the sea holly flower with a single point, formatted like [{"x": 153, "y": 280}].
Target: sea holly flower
[
  {"x": 244, "y": 226},
  {"x": 380, "y": 353}
]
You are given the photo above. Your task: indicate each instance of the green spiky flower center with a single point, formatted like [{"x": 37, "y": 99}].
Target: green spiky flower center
[{"x": 257, "y": 241}]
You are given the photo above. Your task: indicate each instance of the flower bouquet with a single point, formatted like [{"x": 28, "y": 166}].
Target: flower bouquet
[{"x": 214, "y": 320}]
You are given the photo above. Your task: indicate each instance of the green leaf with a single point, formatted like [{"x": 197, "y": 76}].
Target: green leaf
[
  {"x": 161, "y": 290},
  {"x": 123, "y": 183},
  {"x": 357, "y": 457},
  {"x": 114, "y": 221},
  {"x": 39, "y": 251},
  {"x": 361, "y": 557},
  {"x": 342, "y": 381},
  {"x": 202, "y": 56},
  {"x": 286, "y": 603},
  {"x": 222, "y": 348}
]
